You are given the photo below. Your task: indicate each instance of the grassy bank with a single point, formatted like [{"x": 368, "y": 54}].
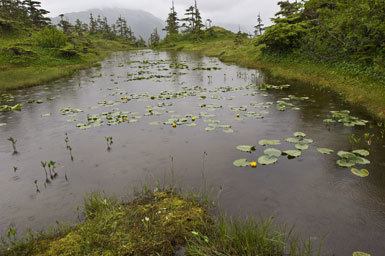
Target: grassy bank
[
  {"x": 160, "y": 223},
  {"x": 22, "y": 63},
  {"x": 354, "y": 84}
]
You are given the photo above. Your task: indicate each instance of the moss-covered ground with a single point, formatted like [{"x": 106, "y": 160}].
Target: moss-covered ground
[
  {"x": 160, "y": 223},
  {"x": 23, "y": 64}
]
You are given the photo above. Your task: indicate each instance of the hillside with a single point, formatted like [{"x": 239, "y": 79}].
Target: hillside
[{"x": 141, "y": 22}]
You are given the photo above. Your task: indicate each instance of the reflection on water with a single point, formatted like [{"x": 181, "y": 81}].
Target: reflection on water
[{"x": 311, "y": 191}]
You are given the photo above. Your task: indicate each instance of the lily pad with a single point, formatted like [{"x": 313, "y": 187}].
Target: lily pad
[
  {"x": 269, "y": 142},
  {"x": 361, "y": 254},
  {"x": 346, "y": 155},
  {"x": 346, "y": 163},
  {"x": 292, "y": 140},
  {"x": 154, "y": 123},
  {"x": 246, "y": 148},
  {"x": 361, "y": 152},
  {"x": 302, "y": 146},
  {"x": 273, "y": 152},
  {"x": 228, "y": 130},
  {"x": 267, "y": 160},
  {"x": 325, "y": 151},
  {"x": 209, "y": 128},
  {"x": 3, "y": 124},
  {"x": 292, "y": 153},
  {"x": 241, "y": 162},
  {"x": 299, "y": 134},
  {"x": 360, "y": 173},
  {"x": 191, "y": 125}
]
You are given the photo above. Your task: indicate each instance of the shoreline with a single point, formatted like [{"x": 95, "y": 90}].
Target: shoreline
[{"x": 369, "y": 94}]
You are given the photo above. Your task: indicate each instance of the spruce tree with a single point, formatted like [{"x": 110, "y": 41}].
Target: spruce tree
[
  {"x": 93, "y": 25},
  {"x": 259, "y": 28},
  {"x": 172, "y": 21},
  {"x": 154, "y": 38},
  {"x": 36, "y": 14}
]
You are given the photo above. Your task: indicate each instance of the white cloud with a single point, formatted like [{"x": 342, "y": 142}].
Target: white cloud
[{"x": 242, "y": 12}]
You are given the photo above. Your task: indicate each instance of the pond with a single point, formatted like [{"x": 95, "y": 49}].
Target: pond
[{"x": 148, "y": 117}]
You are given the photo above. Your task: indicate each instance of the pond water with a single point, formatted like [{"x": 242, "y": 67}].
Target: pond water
[{"x": 135, "y": 97}]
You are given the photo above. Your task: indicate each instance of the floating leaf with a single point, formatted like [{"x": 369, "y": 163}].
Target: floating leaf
[
  {"x": 46, "y": 115},
  {"x": 360, "y": 173},
  {"x": 361, "y": 160},
  {"x": 269, "y": 142},
  {"x": 346, "y": 155},
  {"x": 299, "y": 134},
  {"x": 361, "y": 152},
  {"x": 154, "y": 123},
  {"x": 346, "y": 163},
  {"x": 209, "y": 128},
  {"x": 246, "y": 148},
  {"x": 325, "y": 151},
  {"x": 3, "y": 124},
  {"x": 272, "y": 152},
  {"x": 292, "y": 140},
  {"x": 267, "y": 160},
  {"x": 228, "y": 130},
  {"x": 361, "y": 254},
  {"x": 191, "y": 125},
  {"x": 241, "y": 162},
  {"x": 302, "y": 146},
  {"x": 292, "y": 153}
]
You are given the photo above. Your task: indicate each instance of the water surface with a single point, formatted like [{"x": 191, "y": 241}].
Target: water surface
[{"x": 311, "y": 191}]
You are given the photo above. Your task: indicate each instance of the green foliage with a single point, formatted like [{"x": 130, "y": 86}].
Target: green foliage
[
  {"x": 172, "y": 22},
  {"x": 50, "y": 37},
  {"x": 351, "y": 31}
]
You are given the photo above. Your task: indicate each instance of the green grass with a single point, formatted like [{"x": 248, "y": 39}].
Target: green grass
[
  {"x": 45, "y": 65},
  {"x": 159, "y": 223},
  {"x": 355, "y": 84}
]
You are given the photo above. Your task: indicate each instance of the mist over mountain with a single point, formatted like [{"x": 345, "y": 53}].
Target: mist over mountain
[{"x": 141, "y": 22}]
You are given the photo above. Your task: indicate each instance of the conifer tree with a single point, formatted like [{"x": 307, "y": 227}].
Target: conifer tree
[
  {"x": 154, "y": 38},
  {"x": 259, "y": 28},
  {"x": 172, "y": 21},
  {"x": 93, "y": 25},
  {"x": 36, "y": 14}
]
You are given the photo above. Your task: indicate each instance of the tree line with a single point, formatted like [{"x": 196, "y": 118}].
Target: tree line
[{"x": 330, "y": 30}]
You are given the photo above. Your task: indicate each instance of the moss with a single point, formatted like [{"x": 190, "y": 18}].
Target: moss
[
  {"x": 24, "y": 64},
  {"x": 155, "y": 224}
]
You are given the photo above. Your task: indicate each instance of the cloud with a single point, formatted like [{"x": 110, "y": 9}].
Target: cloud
[{"x": 242, "y": 12}]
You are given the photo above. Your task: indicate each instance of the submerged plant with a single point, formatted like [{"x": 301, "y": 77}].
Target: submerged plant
[
  {"x": 109, "y": 142},
  {"x": 353, "y": 140},
  {"x": 13, "y": 141},
  {"x": 368, "y": 138},
  {"x": 51, "y": 167},
  {"x": 37, "y": 187},
  {"x": 44, "y": 165}
]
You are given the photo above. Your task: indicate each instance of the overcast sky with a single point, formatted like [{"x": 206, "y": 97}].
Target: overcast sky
[{"x": 242, "y": 12}]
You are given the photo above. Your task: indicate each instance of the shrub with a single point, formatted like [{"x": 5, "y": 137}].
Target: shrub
[{"x": 50, "y": 37}]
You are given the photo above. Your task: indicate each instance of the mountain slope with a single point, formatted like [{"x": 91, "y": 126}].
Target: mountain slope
[{"x": 141, "y": 22}]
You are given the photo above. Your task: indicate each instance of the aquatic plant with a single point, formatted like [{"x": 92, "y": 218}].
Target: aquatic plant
[
  {"x": 37, "y": 187},
  {"x": 44, "y": 165},
  {"x": 13, "y": 141},
  {"x": 109, "y": 142},
  {"x": 51, "y": 167}
]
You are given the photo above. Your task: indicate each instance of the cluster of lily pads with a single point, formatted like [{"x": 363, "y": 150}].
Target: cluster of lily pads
[
  {"x": 7, "y": 108},
  {"x": 271, "y": 155},
  {"x": 5, "y": 100},
  {"x": 344, "y": 117},
  {"x": 301, "y": 143}
]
